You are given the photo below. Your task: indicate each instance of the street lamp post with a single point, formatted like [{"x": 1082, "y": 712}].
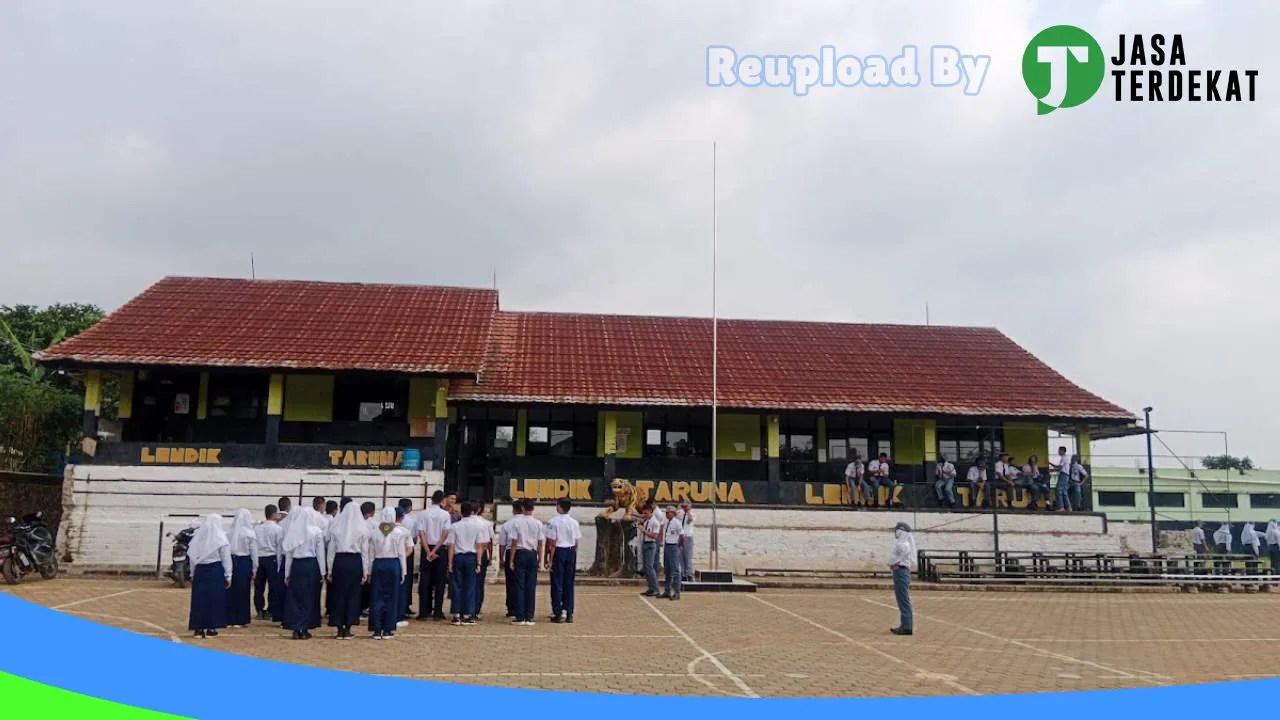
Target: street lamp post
[{"x": 1151, "y": 484}]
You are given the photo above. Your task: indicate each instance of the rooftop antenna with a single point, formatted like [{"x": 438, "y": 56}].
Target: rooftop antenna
[
  {"x": 253, "y": 272},
  {"x": 926, "y": 312},
  {"x": 495, "y": 277},
  {"x": 715, "y": 370}
]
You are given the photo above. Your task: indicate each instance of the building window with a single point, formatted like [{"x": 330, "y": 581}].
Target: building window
[
  {"x": 837, "y": 449},
  {"x": 504, "y": 436},
  {"x": 561, "y": 443},
  {"x": 677, "y": 433},
  {"x": 370, "y": 399},
  {"x": 537, "y": 435},
  {"x": 1117, "y": 499},
  {"x": 963, "y": 445},
  {"x": 1219, "y": 501},
  {"x": 1169, "y": 499},
  {"x": 1264, "y": 500}
]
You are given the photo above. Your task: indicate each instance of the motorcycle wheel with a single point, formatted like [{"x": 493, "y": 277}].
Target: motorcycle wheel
[
  {"x": 10, "y": 571},
  {"x": 49, "y": 570},
  {"x": 180, "y": 577}
]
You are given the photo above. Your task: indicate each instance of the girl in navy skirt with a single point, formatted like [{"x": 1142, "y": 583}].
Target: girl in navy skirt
[
  {"x": 244, "y": 566},
  {"x": 390, "y": 546},
  {"x": 350, "y": 561},
  {"x": 304, "y": 560},
  {"x": 210, "y": 556}
]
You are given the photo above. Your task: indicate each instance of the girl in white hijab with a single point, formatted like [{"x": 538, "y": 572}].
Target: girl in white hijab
[
  {"x": 1222, "y": 538},
  {"x": 350, "y": 559},
  {"x": 1251, "y": 540},
  {"x": 304, "y": 560},
  {"x": 390, "y": 543},
  {"x": 244, "y": 565},
  {"x": 210, "y": 557}
]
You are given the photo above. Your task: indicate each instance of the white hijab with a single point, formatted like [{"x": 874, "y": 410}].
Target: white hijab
[
  {"x": 208, "y": 540},
  {"x": 388, "y": 517},
  {"x": 305, "y": 526},
  {"x": 1273, "y": 532},
  {"x": 1249, "y": 536},
  {"x": 242, "y": 534},
  {"x": 1222, "y": 536},
  {"x": 349, "y": 531}
]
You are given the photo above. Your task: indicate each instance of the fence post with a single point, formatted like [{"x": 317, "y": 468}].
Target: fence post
[{"x": 159, "y": 549}]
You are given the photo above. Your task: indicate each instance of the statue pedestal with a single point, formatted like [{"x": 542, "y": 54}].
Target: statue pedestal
[{"x": 615, "y": 555}]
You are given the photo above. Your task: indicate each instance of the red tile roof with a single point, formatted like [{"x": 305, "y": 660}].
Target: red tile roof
[
  {"x": 637, "y": 361},
  {"x": 215, "y": 322}
]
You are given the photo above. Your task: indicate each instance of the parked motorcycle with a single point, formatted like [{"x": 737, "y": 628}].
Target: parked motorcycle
[
  {"x": 180, "y": 566},
  {"x": 27, "y": 547}
]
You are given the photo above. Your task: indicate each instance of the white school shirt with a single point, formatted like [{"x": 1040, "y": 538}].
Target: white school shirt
[
  {"x": 853, "y": 470},
  {"x": 1078, "y": 473},
  {"x": 652, "y": 526},
  {"x": 947, "y": 471},
  {"x": 1249, "y": 536},
  {"x": 312, "y": 548},
  {"x": 1000, "y": 469},
  {"x": 526, "y": 532},
  {"x": 434, "y": 523},
  {"x": 564, "y": 530},
  {"x": 686, "y": 525},
  {"x": 976, "y": 474},
  {"x": 875, "y": 467},
  {"x": 410, "y": 523},
  {"x": 505, "y": 535},
  {"x": 363, "y": 545},
  {"x": 269, "y": 536},
  {"x": 392, "y": 545},
  {"x": 1030, "y": 471},
  {"x": 224, "y": 556},
  {"x": 671, "y": 533},
  {"x": 1197, "y": 536},
  {"x": 903, "y": 551},
  {"x": 469, "y": 533},
  {"x": 1062, "y": 461},
  {"x": 1010, "y": 471},
  {"x": 1273, "y": 534}
]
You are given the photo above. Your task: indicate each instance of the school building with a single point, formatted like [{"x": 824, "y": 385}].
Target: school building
[{"x": 312, "y": 376}]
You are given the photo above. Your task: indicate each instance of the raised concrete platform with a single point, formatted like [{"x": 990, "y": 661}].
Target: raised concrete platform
[{"x": 716, "y": 581}]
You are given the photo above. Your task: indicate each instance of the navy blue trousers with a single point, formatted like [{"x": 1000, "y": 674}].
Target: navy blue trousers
[
  {"x": 525, "y": 584},
  {"x": 563, "y": 565},
  {"x": 268, "y": 586},
  {"x": 344, "y": 591},
  {"x": 464, "y": 573},
  {"x": 208, "y": 597},
  {"x": 304, "y": 591}
]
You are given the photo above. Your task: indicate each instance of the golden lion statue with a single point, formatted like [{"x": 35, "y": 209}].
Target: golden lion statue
[{"x": 625, "y": 498}]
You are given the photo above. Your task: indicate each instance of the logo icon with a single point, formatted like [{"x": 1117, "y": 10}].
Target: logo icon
[{"x": 1063, "y": 66}]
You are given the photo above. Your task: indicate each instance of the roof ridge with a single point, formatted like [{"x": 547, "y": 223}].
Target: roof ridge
[
  {"x": 722, "y": 319},
  {"x": 342, "y": 283}
]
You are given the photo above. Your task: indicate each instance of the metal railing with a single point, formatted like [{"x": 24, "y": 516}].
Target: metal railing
[{"x": 1084, "y": 569}]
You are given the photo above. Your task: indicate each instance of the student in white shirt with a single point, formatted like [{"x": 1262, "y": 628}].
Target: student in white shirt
[
  {"x": 468, "y": 540},
  {"x": 210, "y": 557},
  {"x": 855, "y": 479},
  {"x": 525, "y": 546},
  {"x": 304, "y": 568},
  {"x": 1222, "y": 539},
  {"x": 1198, "y": 542},
  {"x": 686, "y": 530},
  {"x": 390, "y": 544},
  {"x": 671, "y": 541},
  {"x": 350, "y": 560},
  {"x": 1078, "y": 477},
  {"x": 369, "y": 513},
  {"x": 976, "y": 479},
  {"x": 650, "y": 531},
  {"x": 901, "y": 560},
  {"x": 244, "y": 565},
  {"x": 1250, "y": 540},
  {"x": 268, "y": 587},
  {"x": 1035, "y": 484},
  {"x": 945, "y": 486},
  {"x": 410, "y": 523},
  {"x": 1062, "y": 469},
  {"x": 505, "y": 563},
  {"x": 1272, "y": 537},
  {"x": 284, "y": 506},
  {"x": 433, "y": 527},
  {"x": 878, "y": 474},
  {"x": 563, "y": 536}
]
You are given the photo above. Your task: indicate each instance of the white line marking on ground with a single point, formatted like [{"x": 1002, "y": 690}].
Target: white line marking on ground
[
  {"x": 1142, "y": 675},
  {"x": 172, "y": 636},
  {"x": 1149, "y": 640},
  {"x": 464, "y": 635},
  {"x": 557, "y": 675},
  {"x": 92, "y": 599},
  {"x": 724, "y": 670},
  {"x": 947, "y": 680}
]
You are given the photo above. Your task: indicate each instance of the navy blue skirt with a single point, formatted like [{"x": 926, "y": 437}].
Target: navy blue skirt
[
  {"x": 241, "y": 590},
  {"x": 384, "y": 594},
  {"x": 304, "y": 583},
  {"x": 344, "y": 591},
  {"x": 208, "y": 597}
]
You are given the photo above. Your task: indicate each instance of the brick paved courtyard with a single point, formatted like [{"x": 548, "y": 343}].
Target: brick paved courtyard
[{"x": 773, "y": 643}]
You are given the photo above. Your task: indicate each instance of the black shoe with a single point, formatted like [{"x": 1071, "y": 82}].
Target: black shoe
[
  {"x": 306, "y": 634},
  {"x": 556, "y": 620},
  {"x": 899, "y": 631},
  {"x": 569, "y": 619},
  {"x": 199, "y": 634},
  {"x": 297, "y": 635},
  {"x": 438, "y": 618},
  {"x": 648, "y": 593},
  {"x": 212, "y": 633}
]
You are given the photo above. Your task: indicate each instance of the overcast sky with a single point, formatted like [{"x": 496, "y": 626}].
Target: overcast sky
[{"x": 568, "y": 146}]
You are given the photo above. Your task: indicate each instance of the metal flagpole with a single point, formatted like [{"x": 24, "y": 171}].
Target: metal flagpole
[{"x": 715, "y": 369}]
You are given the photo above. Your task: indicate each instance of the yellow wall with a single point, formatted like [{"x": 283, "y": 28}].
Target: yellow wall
[
  {"x": 422, "y": 398},
  {"x": 522, "y": 431},
  {"x": 1022, "y": 439},
  {"x": 909, "y": 438},
  {"x": 307, "y": 398},
  {"x": 773, "y": 437},
  {"x": 1083, "y": 448},
  {"x": 734, "y": 430},
  {"x": 202, "y": 400},
  {"x": 632, "y": 423},
  {"x": 93, "y": 390},
  {"x": 125, "y": 406},
  {"x": 275, "y": 395},
  {"x": 442, "y": 399}
]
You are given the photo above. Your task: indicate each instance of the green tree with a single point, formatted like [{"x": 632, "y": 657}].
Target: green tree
[
  {"x": 39, "y": 411},
  {"x": 1228, "y": 462}
]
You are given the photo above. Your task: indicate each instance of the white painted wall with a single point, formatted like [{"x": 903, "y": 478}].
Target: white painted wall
[{"x": 115, "y": 514}]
